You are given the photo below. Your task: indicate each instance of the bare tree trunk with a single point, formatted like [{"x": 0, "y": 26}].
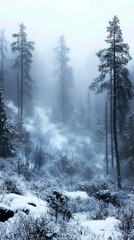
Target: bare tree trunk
[{"x": 106, "y": 128}]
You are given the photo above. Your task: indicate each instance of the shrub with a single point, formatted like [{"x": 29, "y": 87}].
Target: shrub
[
  {"x": 104, "y": 190},
  {"x": 59, "y": 203},
  {"x": 126, "y": 225},
  {"x": 101, "y": 212},
  {"x": 11, "y": 186},
  {"x": 107, "y": 197},
  {"x": 26, "y": 227}
]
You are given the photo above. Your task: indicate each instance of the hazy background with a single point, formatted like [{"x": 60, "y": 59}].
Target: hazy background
[{"x": 83, "y": 22}]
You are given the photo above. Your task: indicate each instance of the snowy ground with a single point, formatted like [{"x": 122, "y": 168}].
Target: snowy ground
[
  {"x": 102, "y": 228},
  {"x": 30, "y": 203},
  {"x": 36, "y": 207},
  {"x": 77, "y": 194}
]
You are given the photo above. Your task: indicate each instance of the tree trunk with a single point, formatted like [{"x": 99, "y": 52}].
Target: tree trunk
[
  {"x": 106, "y": 138},
  {"x": 21, "y": 77},
  {"x": 111, "y": 118},
  {"x": 18, "y": 94},
  {"x": 115, "y": 123},
  {"x": 2, "y": 66},
  {"x": 63, "y": 88}
]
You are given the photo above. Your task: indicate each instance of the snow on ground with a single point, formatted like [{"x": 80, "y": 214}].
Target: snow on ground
[
  {"x": 3, "y": 206},
  {"x": 34, "y": 205},
  {"x": 77, "y": 194},
  {"x": 102, "y": 228}
]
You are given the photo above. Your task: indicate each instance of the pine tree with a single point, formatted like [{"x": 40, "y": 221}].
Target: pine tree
[
  {"x": 6, "y": 148},
  {"x": 112, "y": 66},
  {"x": 3, "y": 50},
  {"x": 23, "y": 63},
  {"x": 64, "y": 72}
]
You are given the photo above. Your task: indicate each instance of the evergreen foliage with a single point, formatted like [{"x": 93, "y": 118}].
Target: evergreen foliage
[
  {"x": 23, "y": 62},
  {"x": 6, "y": 148}
]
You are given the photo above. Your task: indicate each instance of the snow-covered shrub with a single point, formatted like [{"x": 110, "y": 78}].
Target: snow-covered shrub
[
  {"x": 101, "y": 212},
  {"x": 101, "y": 184},
  {"x": 59, "y": 203},
  {"x": 11, "y": 186},
  {"x": 104, "y": 190},
  {"x": 26, "y": 227},
  {"x": 82, "y": 205},
  {"x": 107, "y": 197},
  {"x": 126, "y": 225},
  {"x": 67, "y": 232}
]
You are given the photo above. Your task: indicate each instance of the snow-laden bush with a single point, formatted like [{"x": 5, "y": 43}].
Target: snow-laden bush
[
  {"x": 101, "y": 211},
  {"x": 101, "y": 184},
  {"x": 126, "y": 225},
  {"x": 59, "y": 204},
  {"x": 104, "y": 190},
  {"x": 12, "y": 187},
  {"x": 79, "y": 204},
  {"x": 26, "y": 227},
  {"x": 107, "y": 197}
]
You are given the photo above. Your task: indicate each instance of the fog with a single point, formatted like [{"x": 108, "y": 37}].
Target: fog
[{"x": 83, "y": 24}]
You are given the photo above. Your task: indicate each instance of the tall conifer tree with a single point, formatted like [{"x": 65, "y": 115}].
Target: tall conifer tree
[
  {"x": 64, "y": 72},
  {"x": 113, "y": 61},
  {"x": 22, "y": 63}
]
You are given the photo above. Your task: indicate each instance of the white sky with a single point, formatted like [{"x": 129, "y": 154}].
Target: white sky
[{"x": 83, "y": 22}]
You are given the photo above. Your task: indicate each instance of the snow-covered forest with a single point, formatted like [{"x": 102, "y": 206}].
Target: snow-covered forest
[{"x": 66, "y": 120}]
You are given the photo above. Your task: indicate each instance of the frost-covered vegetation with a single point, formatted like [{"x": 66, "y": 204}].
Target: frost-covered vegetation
[{"x": 49, "y": 207}]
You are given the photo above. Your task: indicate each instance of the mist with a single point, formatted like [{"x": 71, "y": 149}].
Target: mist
[{"x": 80, "y": 24}]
